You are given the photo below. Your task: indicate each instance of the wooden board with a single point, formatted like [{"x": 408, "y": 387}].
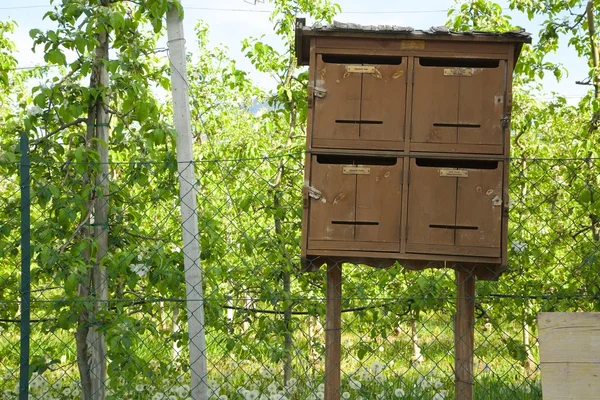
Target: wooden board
[
  {"x": 340, "y": 102},
  {"x": 388, "y": 109},
  {"x": 435, "y": 101},
  {"x": 336, "y": 205},
  {"x": 459, "y": 106},
  {"x": 431, "y": 202},
  {"x": 570, "y": 355},
  {"x": 379, "y": 199},
  {"x": 455, "y": 210},
  {"x": 476, "y": 208},
  {"x": 401, "y": 45},
  {"x": 481, "y": 102},
  {"x": 355, "y": 201}
]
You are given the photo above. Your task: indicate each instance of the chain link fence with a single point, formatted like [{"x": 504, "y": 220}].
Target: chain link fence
[{"x": 264, "y": 319}]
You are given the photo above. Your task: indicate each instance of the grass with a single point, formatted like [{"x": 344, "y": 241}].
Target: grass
[{"x": 251, "y": 369}]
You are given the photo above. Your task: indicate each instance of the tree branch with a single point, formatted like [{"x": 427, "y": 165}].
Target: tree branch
[{"x": 58, "y": 130}]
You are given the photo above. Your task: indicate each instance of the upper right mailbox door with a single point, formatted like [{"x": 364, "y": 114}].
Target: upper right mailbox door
[{"x": 459, "y": 105}]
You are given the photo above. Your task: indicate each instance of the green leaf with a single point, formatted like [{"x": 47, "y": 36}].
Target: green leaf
[
  {"x": 34, "y": 32},
  {"x": 78, "y": 154},
  {"x": 80, "y": 44},
  {"x": 71, "y": 284},
  {"x": 117, "y": 20},
  {"x": 9, "y": 156},
  {"x": 585, "y": 196},
  {"x": 55, "y": 57}
]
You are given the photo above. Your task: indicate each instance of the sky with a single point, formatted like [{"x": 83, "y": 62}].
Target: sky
[{"x": 231, "y": 21}]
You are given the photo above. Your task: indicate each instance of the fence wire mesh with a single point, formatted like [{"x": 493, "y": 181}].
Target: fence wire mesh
[{"x": 264, "y": 319}]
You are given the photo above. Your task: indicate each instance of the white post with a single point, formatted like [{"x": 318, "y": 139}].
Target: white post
[{"x": 187, "y": 193}]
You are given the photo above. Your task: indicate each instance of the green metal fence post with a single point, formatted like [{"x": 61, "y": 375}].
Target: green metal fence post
[{"x": 25, "y": 268}]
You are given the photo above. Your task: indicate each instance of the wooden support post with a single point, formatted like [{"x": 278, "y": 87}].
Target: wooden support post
[
  {"x": 464, "y": 334},
  {"x": 333, "y": 332}
]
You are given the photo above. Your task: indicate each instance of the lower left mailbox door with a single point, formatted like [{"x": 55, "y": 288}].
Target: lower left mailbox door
[{"x": 354, "y": 203}]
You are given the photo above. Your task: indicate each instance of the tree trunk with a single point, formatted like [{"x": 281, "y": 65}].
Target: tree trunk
[
  {"x": 590, "y": 10},
  {"x": 286, "y": 277},
  {"x": 81, "y": 334},
  {"x": 99, "y": 275},
  {"x": 90, "y": 343}
]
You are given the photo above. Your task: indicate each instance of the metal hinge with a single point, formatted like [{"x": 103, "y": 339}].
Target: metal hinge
[{"x": 505, "y": 122}]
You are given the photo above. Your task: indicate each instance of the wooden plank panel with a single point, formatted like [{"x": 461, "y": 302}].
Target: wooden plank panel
[
  {"x": 570, "y": 355},
  {"x": 333, "y": 144},
  {"x": 384, "y": 99},
  {"x": 475, "y": 208},
  {"x": 432, "y": 44},
  {"x": 334, "y": 245},
  {"x": 428, "y": 256},
  {"x": 466, "y": 252},
  {"x": 569, "y": 337},
  {"x": 482, "y": 102},
  {"x": 456, "y": 148},
  {"x": 408, "y": 53},
  {"x": 336, "y": 204},
  {"x": 378, "y": 199},
  {"x": 340, "y": 101},
  {"x": 435, "y": 101},
  {"x": 431, "y": 201},
  {"x": 570, "y": 381}
]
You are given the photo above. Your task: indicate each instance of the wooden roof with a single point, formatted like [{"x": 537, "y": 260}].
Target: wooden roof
[{"x": 439, "y": 33}]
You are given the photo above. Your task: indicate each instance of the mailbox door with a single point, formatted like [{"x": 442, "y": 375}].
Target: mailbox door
[
  {"x": 479, "y": 209},
  {"x": 384, "y": 101},
  {"x": 332, "y": 216},
  {"x": 458, "y": 101},
  {"x": 378, "y": 202},
  {"x": 481, "y": 104},
  {"x": 337, "y": 97},
  {"x": 435, "y": 103},
  {"x": 431, "y": 205}
]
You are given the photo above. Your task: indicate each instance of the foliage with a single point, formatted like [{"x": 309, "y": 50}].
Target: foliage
[{"x": 249, "y": 145}]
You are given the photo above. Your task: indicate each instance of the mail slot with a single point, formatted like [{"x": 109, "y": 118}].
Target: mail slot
[
  {"x": 455, "y": 206},
  {"x": 354, "y": 201},
  {"x": 459, "y": 105},
  {"x": 359, "y": 101}
]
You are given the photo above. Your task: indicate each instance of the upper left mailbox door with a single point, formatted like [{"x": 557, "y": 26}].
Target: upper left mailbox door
[{"x": 359, "y": 102}]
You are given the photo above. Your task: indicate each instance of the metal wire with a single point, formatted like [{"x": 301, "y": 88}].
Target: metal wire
[{"x": 397, "y": 324}]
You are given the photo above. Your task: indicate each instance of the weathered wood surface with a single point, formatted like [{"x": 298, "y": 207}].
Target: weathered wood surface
[
  {"x": 406, "y": 100},
  {"x": 570, "y": 355},
  {"x": 464, "y": 334},
  {"x": 333, "y": 332}
]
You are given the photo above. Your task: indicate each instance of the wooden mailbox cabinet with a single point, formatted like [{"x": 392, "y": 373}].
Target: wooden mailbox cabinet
[{"x": 407, "y": 145}]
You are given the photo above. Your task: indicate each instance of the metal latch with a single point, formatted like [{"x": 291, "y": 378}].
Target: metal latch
[
  {"x": 320, "y": 92},
  {"x": 315, "y": 194}
]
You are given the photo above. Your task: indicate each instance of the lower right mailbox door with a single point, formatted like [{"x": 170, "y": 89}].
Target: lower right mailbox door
[{"x": 455, "y": 207}]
